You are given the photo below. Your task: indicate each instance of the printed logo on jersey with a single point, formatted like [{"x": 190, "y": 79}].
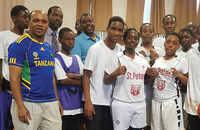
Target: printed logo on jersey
[
  {"x": 35, "y": 54},
  {"x": 164, "y": 72},
  {"x": 160, "y": 84},
  {"x": 42, "y": 49},
  {"x": 136, "y": 76},
  {"x": 44, "y": 63},
  {"x": 135, "y": 89},
  {"x": 51, "y": 54},
  {"x": 143, "y": 67}
]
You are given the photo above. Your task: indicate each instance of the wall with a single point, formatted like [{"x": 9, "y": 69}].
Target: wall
[{"x": 69, "y": 8}]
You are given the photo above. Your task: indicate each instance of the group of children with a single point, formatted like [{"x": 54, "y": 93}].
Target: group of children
[
  {"x": 143, "y": 72},
  {"x": 149, "y": 80}
]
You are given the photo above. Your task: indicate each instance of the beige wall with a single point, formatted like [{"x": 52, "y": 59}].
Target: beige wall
[{"x": 68, "y": 7}]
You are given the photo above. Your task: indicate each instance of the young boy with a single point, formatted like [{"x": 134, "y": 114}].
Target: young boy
[
  {"x": 150, "y": 53},
  {"x": 146, "y": 48},
  {"x": 128, "y": 69},
  {"x": 169, "y": 25},
  {"x": 193, "y": 91},
  {"x": 68, "y": 70},
  {"x": 19, "y": 16},
  {"x": 96, "y": 93},
  {"x": 166, "y": 103},
  {"x": 187, "y": 38},
  {"x": 193, "y": 26}
]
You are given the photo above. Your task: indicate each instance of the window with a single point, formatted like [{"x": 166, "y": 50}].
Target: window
[{"x": 147, "y": 11}]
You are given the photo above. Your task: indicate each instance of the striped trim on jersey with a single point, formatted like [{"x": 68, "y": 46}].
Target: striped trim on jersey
[{"x": 25, "y": 36}]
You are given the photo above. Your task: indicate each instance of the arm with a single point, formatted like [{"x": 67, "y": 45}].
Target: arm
[
  {"x": 56, "y": 93},
  {"x": 69, "y": 81},
  {"x": 182, "y": 77},
  {"x": 0, "y": 74},
  {"x": 15, "y": 75},
  {"x": 110, "y": 78},
  {"x": 74, "y": 76},
  {"x": 154, "y": 56},
  {"x": 88, "y": 107},
  {"x": 143, "y": 53}
]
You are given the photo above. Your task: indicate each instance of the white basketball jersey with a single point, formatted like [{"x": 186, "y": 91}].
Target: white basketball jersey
[
  {"x": 165, "y": 84},
  {"x": 130, "y": 87},
  {"x": 193, "y": 85}
]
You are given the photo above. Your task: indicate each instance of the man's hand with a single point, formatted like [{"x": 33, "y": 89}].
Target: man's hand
[
  {"x": 89, "y": 110},
  {"x": 61, "y": 109},
  {"x": 24, "y": 115}
]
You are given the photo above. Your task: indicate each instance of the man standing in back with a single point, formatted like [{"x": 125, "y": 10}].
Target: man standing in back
[
  {"x": 87, "y": 38},
  {"x": 55, "y": 18}
]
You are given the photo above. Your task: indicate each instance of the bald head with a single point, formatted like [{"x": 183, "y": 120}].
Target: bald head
[{"x": 38, "y": 24}]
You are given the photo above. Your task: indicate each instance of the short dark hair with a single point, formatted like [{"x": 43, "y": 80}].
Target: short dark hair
[
  {"x": 85, "y": 14},
  {"x": 116, "y": 18},
  {"x": 50, "y": 9},
  {"x": 187, "y": 30},
  {"x": 169, "y": 15},
  {"x": 128, "y": 30},
  {"x": 16, "y": 9},
  {"x": 61, "y": 32},
  {"x": 174, "y": 33},
  {"x": 192, "y": 22},
  {"x": 145, "y": 24}
]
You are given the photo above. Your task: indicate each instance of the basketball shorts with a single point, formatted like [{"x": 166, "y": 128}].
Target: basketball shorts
[
  {"x": 167, "y": 115},
  {"x": 125, "y": 114}
]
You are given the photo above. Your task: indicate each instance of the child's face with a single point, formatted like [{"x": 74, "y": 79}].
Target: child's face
[
  {"x": 171, "y": 45},
  {"x": 22, "y": 19},
  {"x": 186, "y": 39},
  {"x": 67, "y": 41},
  {"x": 147, "y": 33},
  {"x": 169, "y": 25},
  {"x": 115, "y": 31},
  {"x": 131, "y": 40},
  {"x": 192, "y": 26}
]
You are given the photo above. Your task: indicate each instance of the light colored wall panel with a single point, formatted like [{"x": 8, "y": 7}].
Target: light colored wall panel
[{"x": 68, "y": 7}]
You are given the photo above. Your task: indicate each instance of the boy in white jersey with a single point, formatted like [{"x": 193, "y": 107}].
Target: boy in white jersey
[
  {"x": 96, "y": 93},
  {"x": 187, "y": 38},
  {"x": 192, "y": 100},
  {"x": 169, "y": 25},
  {"x": 193, "y": 27},
  {"x": 128, "y": 69},
  {"x": 166, "y": 103},
  {"x": 68, "y": 71},
  {"x": 19, "y": 16},
  {"x": 150, "y": 53}
]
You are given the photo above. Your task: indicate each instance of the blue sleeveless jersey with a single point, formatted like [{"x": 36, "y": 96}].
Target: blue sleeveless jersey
[{"x": 69, "y": 96}]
